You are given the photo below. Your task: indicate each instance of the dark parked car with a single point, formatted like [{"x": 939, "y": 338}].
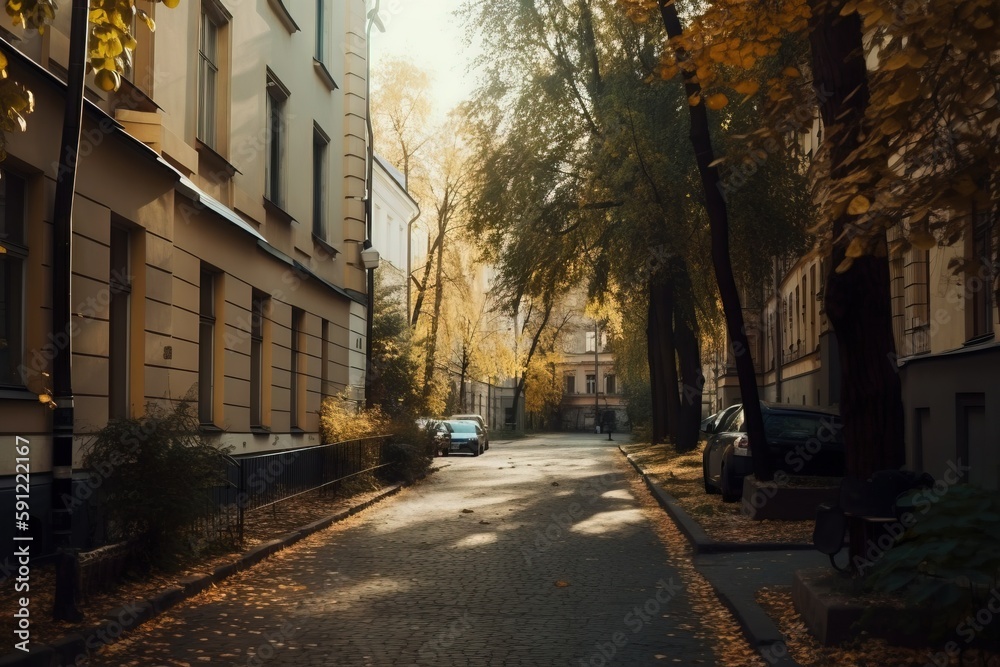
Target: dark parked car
[
  {"x": 800, "y": 441},
  {"x": 457, "y": 436}
]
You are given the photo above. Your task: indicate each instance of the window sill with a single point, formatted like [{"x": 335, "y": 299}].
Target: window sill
[
  {"x": 295, "y": 430},
  {"x": 977, "y": 340},
  {"x": 326, "y": 247},
  {"x": 284, "y": 16},
  {"x": 260, "y": 430},
  {"x": 210, "y": 428},
  {"x": 133, "y": 98},
  {"x": 324, "y": 74},
  {"x": 216, "y": 162},
  {"x": 278, "y": 211},
  {"x": 18, "y": 394}
]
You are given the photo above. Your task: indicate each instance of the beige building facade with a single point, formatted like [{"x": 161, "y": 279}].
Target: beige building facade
[{"x": 218, "y": 222}]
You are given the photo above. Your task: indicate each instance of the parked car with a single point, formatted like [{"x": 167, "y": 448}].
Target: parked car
[
  {"x": 479, "y": 420},
  {"x": 708, "y": 431},
  {"x": 456, "y": 436},
  {"x": 800, "y": 440}
]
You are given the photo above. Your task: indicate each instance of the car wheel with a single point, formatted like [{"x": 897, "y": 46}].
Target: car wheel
[
  {"x": 729, "y": 492},
  {"x": 478, "y": 450},
  {"x": 444, "y": 452}
]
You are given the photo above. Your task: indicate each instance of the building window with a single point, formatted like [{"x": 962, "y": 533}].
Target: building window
[
  {"x": 979, "y": 284},
  {"x": 591, "y": 341},
  {"x": 258, "y": 311},
  {"x": 208, "y": 76},
  {"x": 320, "y": 144},
  {"x": 120, "y": 286},
  {"x": 320, "y": 31},
  {"x": 295, "y": 399},
  {"x": 591, "y": 384},
  {"x": 13, "y": 253},
  {"x": 277, "y": 96},
  {"x": 206, "y": 347},
  {"x": 570, "y": 384},
  {"x": 609, "y": 385}
]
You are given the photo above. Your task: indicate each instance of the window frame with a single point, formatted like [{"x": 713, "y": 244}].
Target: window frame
[
  {"x": 320, "y": 175},
  {"x": 591, "y": 383},
  {"x": 207, "y": 327},
  {"x": 276, "y": 100},
  {"x": 13, "y": 264},
  {"x": 259, "y": 307},
  {"x": 120, "y": 280}
]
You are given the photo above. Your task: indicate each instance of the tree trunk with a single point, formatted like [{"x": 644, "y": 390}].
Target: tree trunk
[
  {"x": 858, "y": 300},
  {"x": 519, "y": 385},
  {"x": 718, "y": 218},
  {"x": 435, "y": 320},
  {"x": 461, "y": 378},
  {"x": 658, "y": 418},
  {"x": 689, "y": 362},
  {"x": 664, "y": 371}
]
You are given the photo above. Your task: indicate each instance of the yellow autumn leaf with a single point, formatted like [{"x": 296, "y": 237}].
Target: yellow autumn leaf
[
  {"x": 792, "y": 72},
  {"x": 859, "y": 205},
  {"x": 694, "y": 100},
  {"x": 716, "y": 101},
  {"x": 746, "y": 87},
  {"x": 897, "y": 61},
  {"x": 845, "y": 265},
  {"x": 856, "y": 248},
  {"x": 983, "y": 22},
  {"x": 922, "y": 239},
  {"x": 891, "y": 126}
]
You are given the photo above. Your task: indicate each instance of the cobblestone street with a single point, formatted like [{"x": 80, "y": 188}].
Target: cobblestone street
[{"x": 535, "y": 553}]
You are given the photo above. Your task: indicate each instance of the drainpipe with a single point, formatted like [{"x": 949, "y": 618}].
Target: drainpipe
[
  {"x": 409, "y": 258},
  {"x": 777, "y": 333},
  {"x": 373, "y": 19},
  {"x": 64, "y": 607}
]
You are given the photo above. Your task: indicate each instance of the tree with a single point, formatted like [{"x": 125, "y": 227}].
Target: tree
[
  {"x": 908, "y": 97},
  {"x": 582, "y": 177},
  {"x": 396, "y": 385},
  {"x": 110, "y": 51},
  {"x": 401, "y": 112}
]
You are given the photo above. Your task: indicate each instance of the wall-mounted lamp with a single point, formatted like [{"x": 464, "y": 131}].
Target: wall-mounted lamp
[{"x": 370, "y": 256}]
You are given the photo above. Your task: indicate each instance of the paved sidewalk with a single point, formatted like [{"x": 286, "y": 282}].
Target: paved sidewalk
[
  {"x": 535, "y": 553},
  {"x": 737, "y": 575}
]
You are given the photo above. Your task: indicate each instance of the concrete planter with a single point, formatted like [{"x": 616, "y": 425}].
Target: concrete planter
[{"x": 768, "y": 500}]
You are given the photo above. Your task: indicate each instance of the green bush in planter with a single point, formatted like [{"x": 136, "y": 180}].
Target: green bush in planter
[
  {"x": 947, "y": 561},
  {"x": 154, "y": 476}
]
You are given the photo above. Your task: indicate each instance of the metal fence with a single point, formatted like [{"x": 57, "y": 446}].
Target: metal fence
[{"x": 259, "y": 481}]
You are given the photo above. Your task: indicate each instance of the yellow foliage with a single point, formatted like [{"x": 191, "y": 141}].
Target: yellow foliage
[{"x": 341, "y": 419}]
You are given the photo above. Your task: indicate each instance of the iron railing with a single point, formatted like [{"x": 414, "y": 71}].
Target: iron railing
[{"x": 259, "y": 481}]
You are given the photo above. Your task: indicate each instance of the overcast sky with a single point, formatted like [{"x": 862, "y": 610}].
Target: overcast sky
[{"x": 427, "y": 33}]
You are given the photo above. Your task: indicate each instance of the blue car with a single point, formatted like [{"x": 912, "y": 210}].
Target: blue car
[{"x": 459, "y": 436}]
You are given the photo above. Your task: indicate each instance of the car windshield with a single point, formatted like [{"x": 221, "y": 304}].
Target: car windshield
[
  {"x": 463, "y": 427},
  {"x": 783, "y": 426}
]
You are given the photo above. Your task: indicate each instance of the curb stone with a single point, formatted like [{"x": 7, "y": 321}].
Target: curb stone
[
  {"x": 67, "y": 651},
  {"x": 758, "y": 628}
]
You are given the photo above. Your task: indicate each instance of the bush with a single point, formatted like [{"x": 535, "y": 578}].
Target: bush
[
  {"x": 155, "y": 474},
  {"x": 341, "y": 419},
  {"x": 410, "y": 451}
]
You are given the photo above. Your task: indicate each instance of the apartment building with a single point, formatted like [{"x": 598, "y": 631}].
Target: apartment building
[
  {"x": 219, "y": 217},
  {"x": 945, "y": 324}
]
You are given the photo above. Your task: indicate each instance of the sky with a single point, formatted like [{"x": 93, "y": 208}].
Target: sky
[{"x": 427, "y": 33}]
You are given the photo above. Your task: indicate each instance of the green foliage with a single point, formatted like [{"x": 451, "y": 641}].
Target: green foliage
[
  {"x": 395, "y": 385},
  {"x": 155, "y": 474},
  {"x": 410, "y": 452},
  {"x": 948, "y": 561}
]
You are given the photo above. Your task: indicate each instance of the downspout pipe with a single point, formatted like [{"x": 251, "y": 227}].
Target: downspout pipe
[{"x": 373, "y": 19}]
